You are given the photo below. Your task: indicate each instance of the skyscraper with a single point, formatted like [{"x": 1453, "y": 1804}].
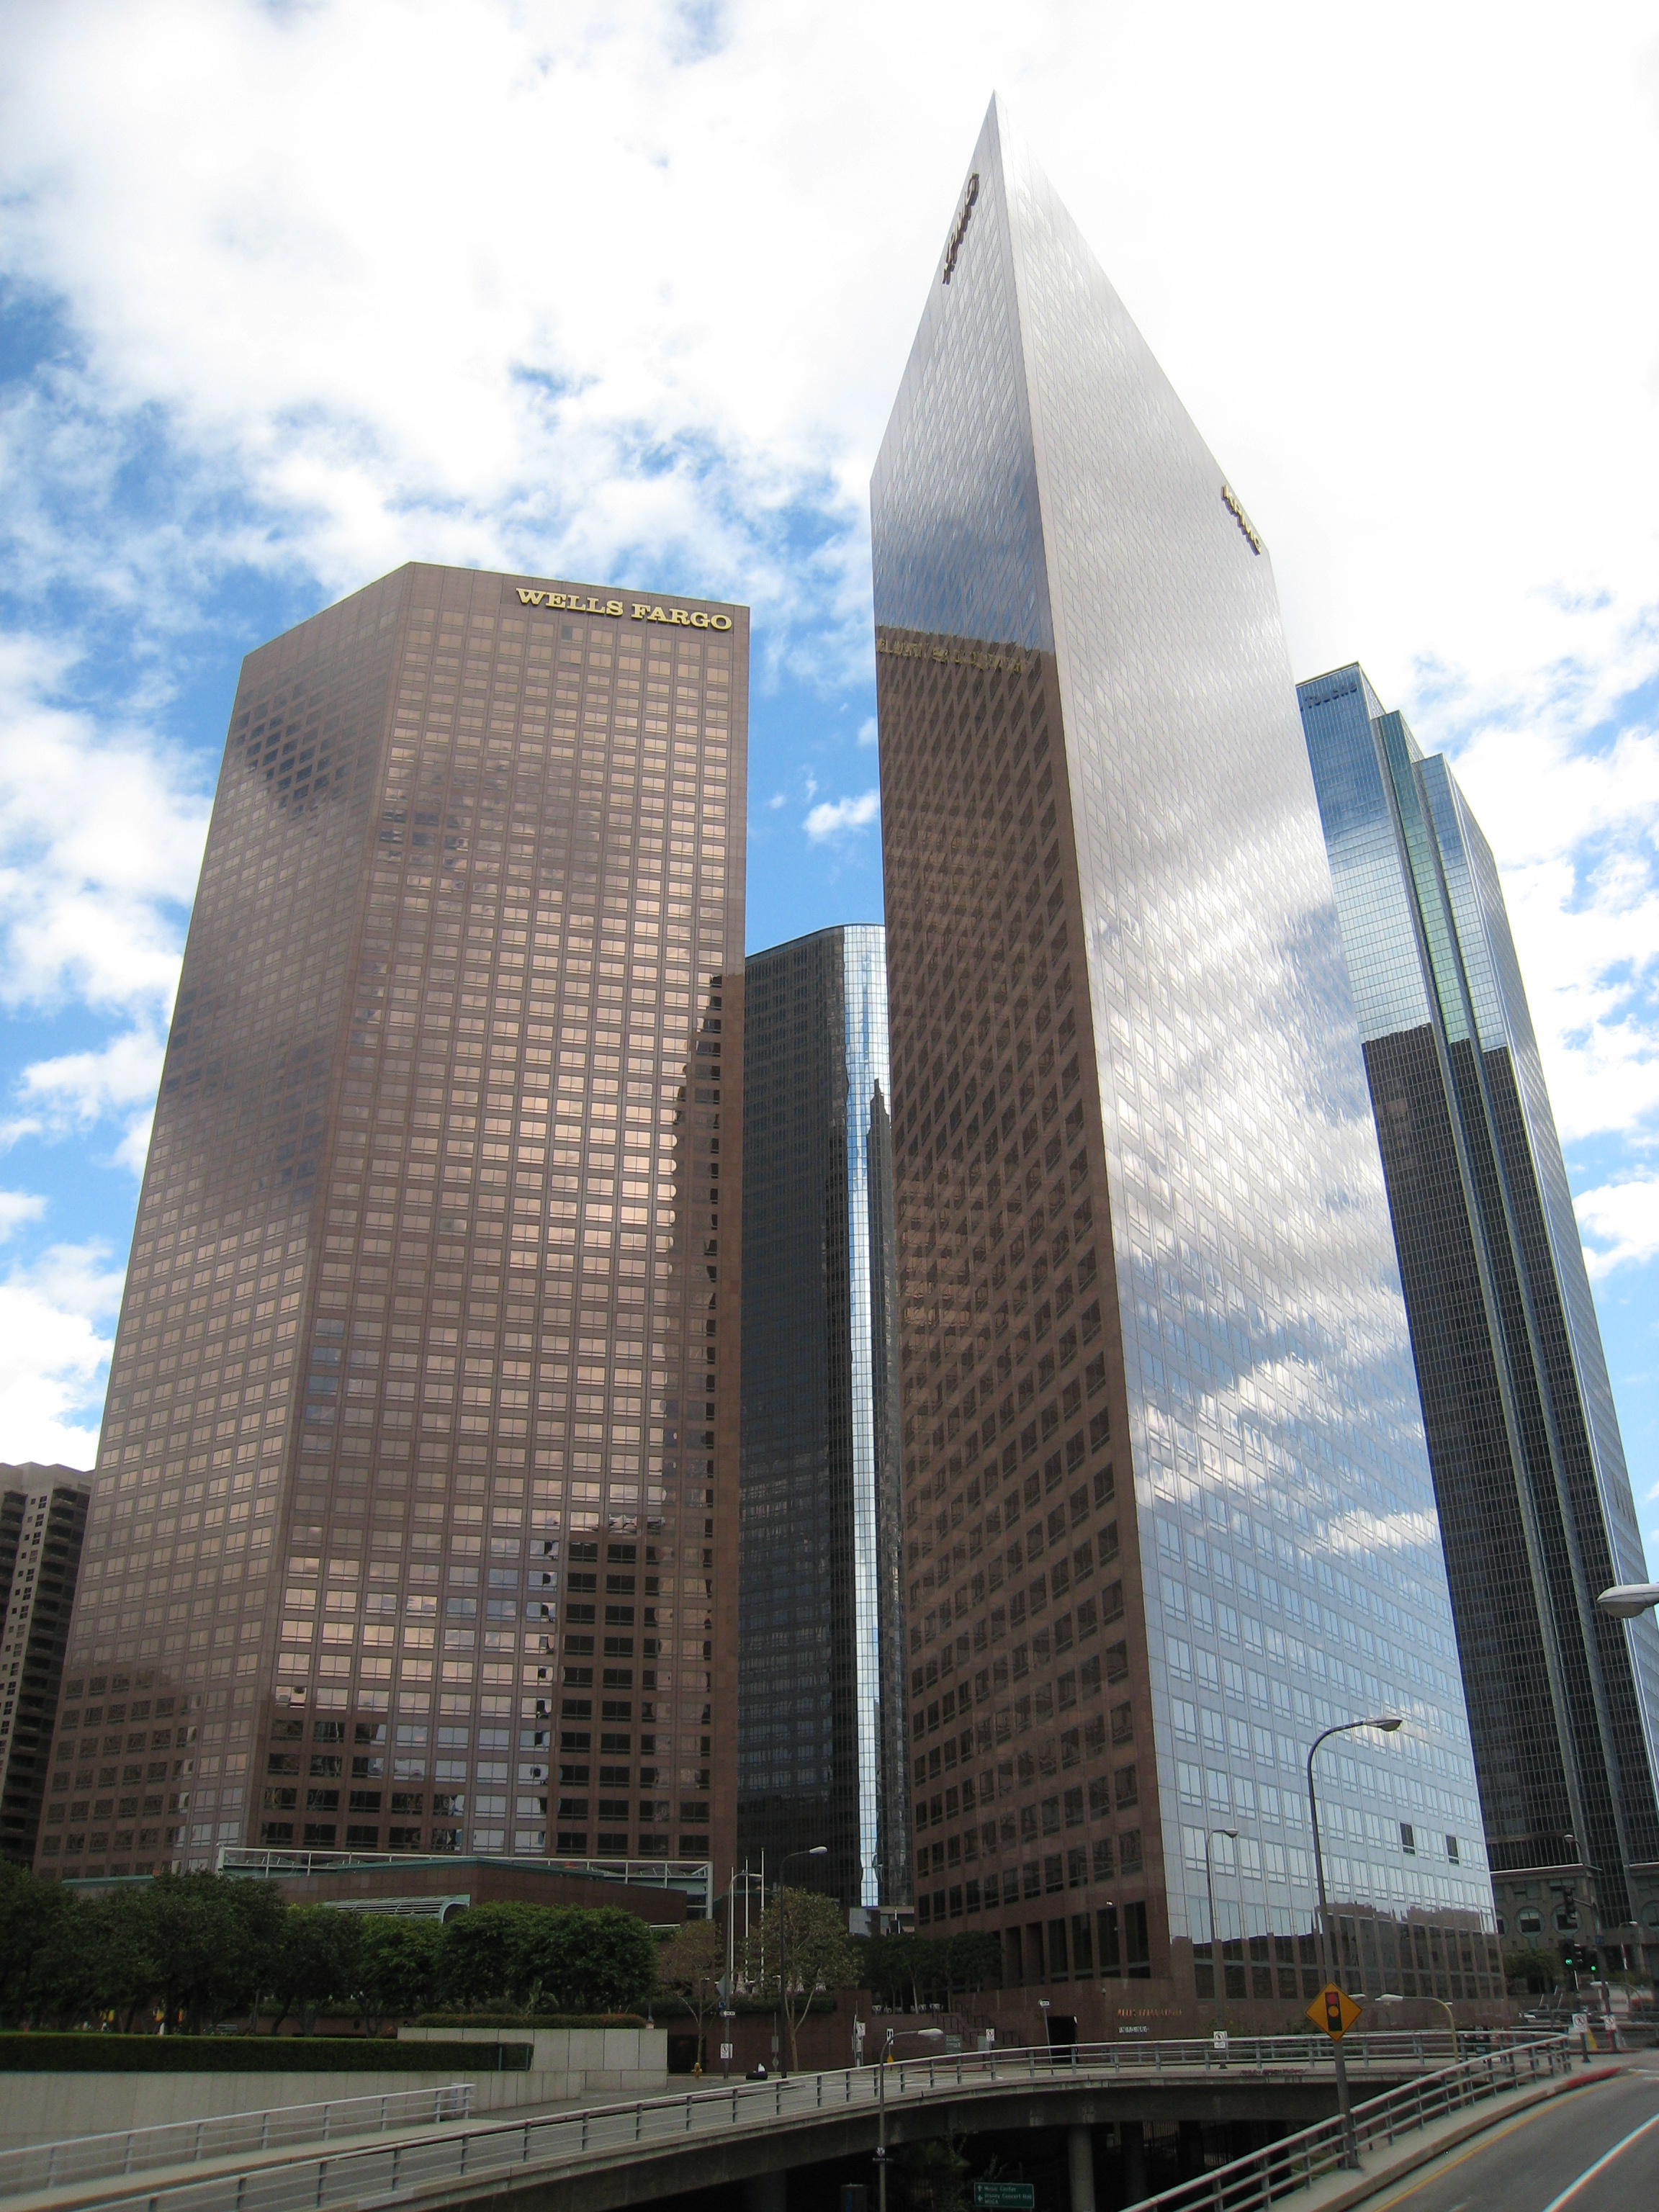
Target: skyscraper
[
  {"x": 821, "y": 1747},
  {"x": 1523, "y": 1441},
  {"x": 1167, "y": 1510},
  {"x": 417, "y": 1517},
  {"x": 43, "y": 1518}
]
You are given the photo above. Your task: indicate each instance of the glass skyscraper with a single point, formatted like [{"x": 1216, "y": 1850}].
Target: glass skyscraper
[
  {"x": 1167, "y": 1506},
  {"x": 414, "y": 1526},
  {"x": 1528, "y": 1466},
  {"x": 43, "y": 1518},
  {"x": 821, "y": 1748}
]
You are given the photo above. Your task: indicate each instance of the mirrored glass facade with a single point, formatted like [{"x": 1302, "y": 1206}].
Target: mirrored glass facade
[
  {"x": 821, "y": 1700},
  {"x": 1529, "y": 1465},
  {"x": 1167, "y": 1507},
  {"x": 415, "y": 1522}
]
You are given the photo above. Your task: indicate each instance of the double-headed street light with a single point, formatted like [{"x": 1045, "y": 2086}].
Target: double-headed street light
[
  {"x": 812, "y": 1852},
  {"x": 1231, "y": 1835},
  {"x": 1388, "y": 1723}
]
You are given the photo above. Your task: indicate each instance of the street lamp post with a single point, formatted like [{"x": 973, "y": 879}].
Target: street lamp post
[
  {"x": 884, "y": 2062},
  {"x": 1231, "y": 1835},
  {"x": 1388, "y": 1723},
  {"x": 813, "y": 1851}
]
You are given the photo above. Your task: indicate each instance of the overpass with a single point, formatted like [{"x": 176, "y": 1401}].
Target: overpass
[{"x": 749, "y": 2135}]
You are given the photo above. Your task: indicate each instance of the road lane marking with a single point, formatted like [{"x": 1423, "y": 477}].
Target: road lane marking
[
  {"x": 1441, "y": 2167},
  {"x": 1606, "y": 2159}
]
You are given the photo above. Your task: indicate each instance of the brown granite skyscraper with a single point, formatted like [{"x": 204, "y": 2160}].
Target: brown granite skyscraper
[{"x": 415, "y": 1526}]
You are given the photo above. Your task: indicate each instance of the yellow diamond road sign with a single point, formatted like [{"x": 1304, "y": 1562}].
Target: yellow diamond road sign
[{"x": 1334, "y": 2011}]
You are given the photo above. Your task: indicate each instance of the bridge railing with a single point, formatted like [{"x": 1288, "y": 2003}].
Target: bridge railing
[
  {"x": 556, "y": 2142},
  {"x": 185, "y": 2142},
  {"x": 1296, "y": 2163}
]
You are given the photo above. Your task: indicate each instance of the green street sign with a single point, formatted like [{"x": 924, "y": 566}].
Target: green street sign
[{"x": 1005, "y": 2196}]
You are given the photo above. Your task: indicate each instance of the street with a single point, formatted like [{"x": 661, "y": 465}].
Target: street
[{"x": 1596, "y": 2150}]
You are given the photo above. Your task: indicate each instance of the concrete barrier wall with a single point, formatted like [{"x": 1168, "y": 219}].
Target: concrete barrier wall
[{"x": 42, "y": 2108}]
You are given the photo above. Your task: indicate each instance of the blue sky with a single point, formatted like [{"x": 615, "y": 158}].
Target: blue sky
[{"x": 290, "y": 293}]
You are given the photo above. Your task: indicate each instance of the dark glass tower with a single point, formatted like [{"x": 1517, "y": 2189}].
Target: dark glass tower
[
  {"x": 1167, "y": 1507},
  {"x": 416, "y": 1513},
  {"x": 821, "y": 1748},
  {"x": 1524, "y": 1445},
  {"x": 43, "y": 1518}
]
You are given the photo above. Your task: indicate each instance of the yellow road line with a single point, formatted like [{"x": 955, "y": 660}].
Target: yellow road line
[{"x": 1437, "y": 2171}]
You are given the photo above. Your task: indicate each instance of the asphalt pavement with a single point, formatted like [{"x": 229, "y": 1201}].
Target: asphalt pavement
[{"x": 1596, "y": 2150}]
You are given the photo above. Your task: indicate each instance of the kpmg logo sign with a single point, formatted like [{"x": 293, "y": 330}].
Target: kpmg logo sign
[
  {"x": 1229, "y": 500},
  {"x": 964, "y": 214}
]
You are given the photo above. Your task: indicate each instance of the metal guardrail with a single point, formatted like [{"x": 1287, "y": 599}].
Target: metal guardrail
[
  {"x": 693, "y": 1878},
  {"x": 550, "y": 2144},
  {"x": 1298, "y": 2161},
  {"x": 184, "y": 2142}
]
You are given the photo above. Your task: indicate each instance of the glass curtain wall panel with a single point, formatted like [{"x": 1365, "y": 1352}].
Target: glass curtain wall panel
[
  {"x": 416, "y": 1508},
  {"x": 1167, "y": 1507},
  {"x": 1528, "y": 1466},
  {"x": 822, "y": 1753}
]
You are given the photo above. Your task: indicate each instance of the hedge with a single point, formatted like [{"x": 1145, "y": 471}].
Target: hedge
[{"x": 89, "y": 2053}]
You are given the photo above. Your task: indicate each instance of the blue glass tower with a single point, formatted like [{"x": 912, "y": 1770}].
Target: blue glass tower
[
  {"x": 821, "y": 1747},
  {"x": 1523, "y": 1442}
]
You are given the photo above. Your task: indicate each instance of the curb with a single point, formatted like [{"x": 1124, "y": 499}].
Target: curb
[{"x": 1492, "y": 2114}]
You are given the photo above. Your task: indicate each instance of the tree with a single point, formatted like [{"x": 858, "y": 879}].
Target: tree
[
  {"x": 809, "y": 1932},
  {"x": 123, "y": 1973},
  {"x": 578, "y": 1961},
  {"x": 35, "y": 1924},
  {"x": 1535, "y": 1969},
  {"x": 315, "y": 1968},
  {"x": 973, "y": 1961},
  {"x": 691, "y": 1964},
  {"x": 396, "y": 1968},
  {"x": 936, "y": 2174},
  {"x": 562, "y": 1958},
  {"x": 483, "y": 1955}
]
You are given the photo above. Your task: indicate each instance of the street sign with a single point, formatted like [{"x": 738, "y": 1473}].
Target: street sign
[
  {"x": 726, "y": 2051},
  {"x": 1334, "y": 2011},
  {"x": 1005, "y": 2196}
]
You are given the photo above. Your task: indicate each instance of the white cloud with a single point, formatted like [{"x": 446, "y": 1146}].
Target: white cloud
[
  {"x": 835, "y": 818},
  {"x": 1619, "y": 1223},
  {"x": 17, "y": 1207},
  {"x": 867, "y": 731},
  {"x": 117, "y": 1082},
  {"x": 54, "y": 1354},
  {"x": 775, "y": 801},
  {"x": 100, "y": 838}
]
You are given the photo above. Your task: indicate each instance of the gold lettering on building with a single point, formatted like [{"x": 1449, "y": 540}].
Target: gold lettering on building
[
  {"x": 574, "y": 603},
  {"x": 956, "y": 655}
]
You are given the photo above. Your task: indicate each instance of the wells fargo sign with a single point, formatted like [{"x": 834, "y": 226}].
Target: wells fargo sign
[{"x": 575, "y": 603}]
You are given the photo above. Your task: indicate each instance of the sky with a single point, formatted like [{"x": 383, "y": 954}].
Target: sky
[{"x": 290, "y": 294}]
